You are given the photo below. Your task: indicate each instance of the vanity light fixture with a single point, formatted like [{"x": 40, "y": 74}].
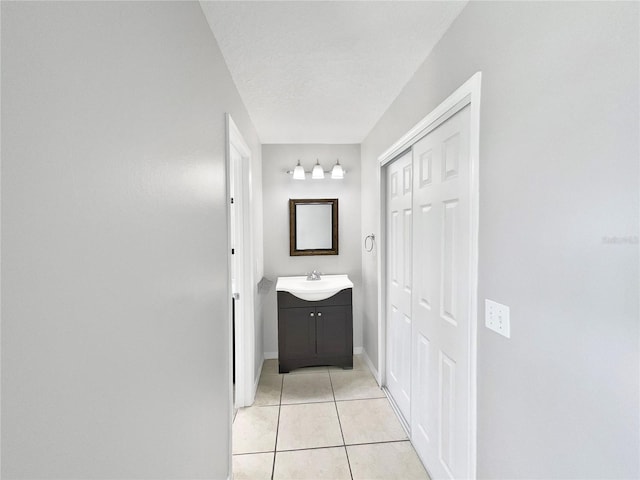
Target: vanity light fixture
[
  {"x": 337, "y": 172},
  {"x": 298, "y": 172},
  {"x": 318, "y": 172}
]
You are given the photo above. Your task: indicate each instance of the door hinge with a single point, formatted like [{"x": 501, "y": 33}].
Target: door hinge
[
  {"x": 233, "y": 251},
  {"x": 231, "y": 199}
]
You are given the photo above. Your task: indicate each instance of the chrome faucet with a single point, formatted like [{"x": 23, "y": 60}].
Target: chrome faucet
[{"x": 315, "y": 275}]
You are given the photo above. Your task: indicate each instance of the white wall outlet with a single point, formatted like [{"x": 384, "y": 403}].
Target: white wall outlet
[{"x": 496, "y": 318}]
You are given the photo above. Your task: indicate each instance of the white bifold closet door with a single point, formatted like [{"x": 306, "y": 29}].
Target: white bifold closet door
[{"x": 430, "y": 237}]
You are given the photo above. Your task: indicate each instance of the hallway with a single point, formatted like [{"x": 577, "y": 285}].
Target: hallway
[
  {"x": 321, "y": 423},
  {"x": 115, "y": 246}
]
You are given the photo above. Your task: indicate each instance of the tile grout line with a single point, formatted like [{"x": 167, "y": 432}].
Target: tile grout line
[
  {"x": 359, "y": 399},
  {"x": 378, "y": 443},
  {"x": 241, "y": 454},
  {"x": 332, "y": 446},
  {"x": 344, "y": 444},
  {"x": 275, "y": 447}
]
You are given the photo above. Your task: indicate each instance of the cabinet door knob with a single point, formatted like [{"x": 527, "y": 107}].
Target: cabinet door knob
[
  {"x": 319, "y": 314},
  {"x": 311, "y": 314}
]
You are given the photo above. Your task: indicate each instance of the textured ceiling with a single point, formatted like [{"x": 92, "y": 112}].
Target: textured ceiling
[{"x": 324, "y": 72}]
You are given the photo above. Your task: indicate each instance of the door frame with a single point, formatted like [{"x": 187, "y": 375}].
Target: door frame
[
  {"x": 467, "y": 94},
  {"x": 244, "y": 306}
]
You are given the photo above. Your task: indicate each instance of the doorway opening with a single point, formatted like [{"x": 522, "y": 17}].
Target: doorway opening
[{"x": 241, "y": 277}]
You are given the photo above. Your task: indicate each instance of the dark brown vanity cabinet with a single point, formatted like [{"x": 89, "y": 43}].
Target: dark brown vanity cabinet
[{"x": 315, "y": 333}]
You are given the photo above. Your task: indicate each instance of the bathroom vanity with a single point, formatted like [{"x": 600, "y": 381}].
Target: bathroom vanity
[{"x": 315, "y": 322}]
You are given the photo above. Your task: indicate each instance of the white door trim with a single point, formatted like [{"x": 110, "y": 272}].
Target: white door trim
[
  {"x": 467, "y": 94},
  {"x": 245, "y": 315}
]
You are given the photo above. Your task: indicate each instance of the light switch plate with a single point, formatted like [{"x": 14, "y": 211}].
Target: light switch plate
[{"x": 496, "y": 317}]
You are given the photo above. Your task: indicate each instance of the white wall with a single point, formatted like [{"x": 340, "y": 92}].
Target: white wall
[
  {"x": 258, "y": 255},
  {"x": 558, "y": 172},
  {"x": 115, "y": 353},
  {"x": 278, "y": 188},
  {"x": 258, "y": 248}
]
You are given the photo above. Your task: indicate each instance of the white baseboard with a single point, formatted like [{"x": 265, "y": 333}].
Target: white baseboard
[
  {"x": 357, "y": 350},
  {"x": 257, "y": 379},
  {"x": 369, "y": 363}
]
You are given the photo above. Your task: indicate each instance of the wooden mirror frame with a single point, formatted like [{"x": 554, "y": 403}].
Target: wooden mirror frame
[{"x": 293, "y": 202}]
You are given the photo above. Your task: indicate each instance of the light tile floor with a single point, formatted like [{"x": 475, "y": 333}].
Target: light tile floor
[{"x": 321, "y": 423}]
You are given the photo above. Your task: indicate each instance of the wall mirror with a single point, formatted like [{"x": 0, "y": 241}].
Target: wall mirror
[{"x": 313, "y": 226}]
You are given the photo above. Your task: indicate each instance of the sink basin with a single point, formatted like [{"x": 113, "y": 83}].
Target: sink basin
[{"x": 313, "y": 290}]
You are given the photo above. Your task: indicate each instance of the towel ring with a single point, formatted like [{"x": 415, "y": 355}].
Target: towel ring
[{"x": 371, "y": 237}]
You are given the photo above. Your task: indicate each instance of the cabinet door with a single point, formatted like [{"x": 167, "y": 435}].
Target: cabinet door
[
  {"x": 297, "y": 332},
  {"x": 334, "y": 330}
]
